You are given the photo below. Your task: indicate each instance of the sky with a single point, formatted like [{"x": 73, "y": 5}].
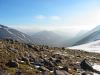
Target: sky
[{"x": 56, "y": 15}]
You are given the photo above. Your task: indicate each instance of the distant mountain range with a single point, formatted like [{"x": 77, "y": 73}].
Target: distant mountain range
[
  {"x": 49, "y": 38},
  {"x": 41, "y": 38}
]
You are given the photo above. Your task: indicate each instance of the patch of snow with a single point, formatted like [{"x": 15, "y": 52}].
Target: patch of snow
[
  {"x": 22, "y": 61},
  {"x": 51, "y": 71},
  {"x": 95, "y": 74},
  {"x": 60, "y": 66},
  {"x": 89, "y": 47},
  {"x": 36, "y": 66},
  {"x": 96, "y": 67},
  {"x": 8, "y": 31}
]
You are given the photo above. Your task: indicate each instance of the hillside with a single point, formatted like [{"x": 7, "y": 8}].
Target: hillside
[
  {"x": 90, "y": 36},
  {"x": 26, "y": 59},
  {"x": 10, "y": 33}
]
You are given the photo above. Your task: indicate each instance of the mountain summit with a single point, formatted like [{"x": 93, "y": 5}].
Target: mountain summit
[
  {"x": 2, "y": 26},
  {"x": 48, "y": 38}
]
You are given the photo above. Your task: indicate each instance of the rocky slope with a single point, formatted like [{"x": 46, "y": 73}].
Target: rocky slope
[{"x": 27, "y": 59}]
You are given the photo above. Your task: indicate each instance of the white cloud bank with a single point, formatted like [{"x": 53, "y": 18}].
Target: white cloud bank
[{"x": 71, "y": 30}]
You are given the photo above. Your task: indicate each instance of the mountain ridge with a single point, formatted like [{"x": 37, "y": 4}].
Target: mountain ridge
[
  {"x": 10, "y": 33},
  {"x": 90, "y": 36}
]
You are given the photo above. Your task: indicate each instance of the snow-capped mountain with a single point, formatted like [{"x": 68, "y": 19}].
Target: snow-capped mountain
[
  {"x": 9, "y": 33},
  {"x": 90, "y": 36},
  {"x": 89, "y": 47}
]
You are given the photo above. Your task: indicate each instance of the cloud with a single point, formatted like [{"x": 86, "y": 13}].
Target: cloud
[
  {"x": 40, "y": 17},
  {"x": 52, "y": 27},
  {"x": 31, "y": 29},
  {"x": 55, "y": 17}
]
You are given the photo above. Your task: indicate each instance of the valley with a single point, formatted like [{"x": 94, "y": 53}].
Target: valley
[{"x": 49, "y": 37}]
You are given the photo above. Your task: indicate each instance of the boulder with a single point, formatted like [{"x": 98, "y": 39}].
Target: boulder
[
  {"x": 12, "y": 63},
  {"x": 85, "y": 65}
]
